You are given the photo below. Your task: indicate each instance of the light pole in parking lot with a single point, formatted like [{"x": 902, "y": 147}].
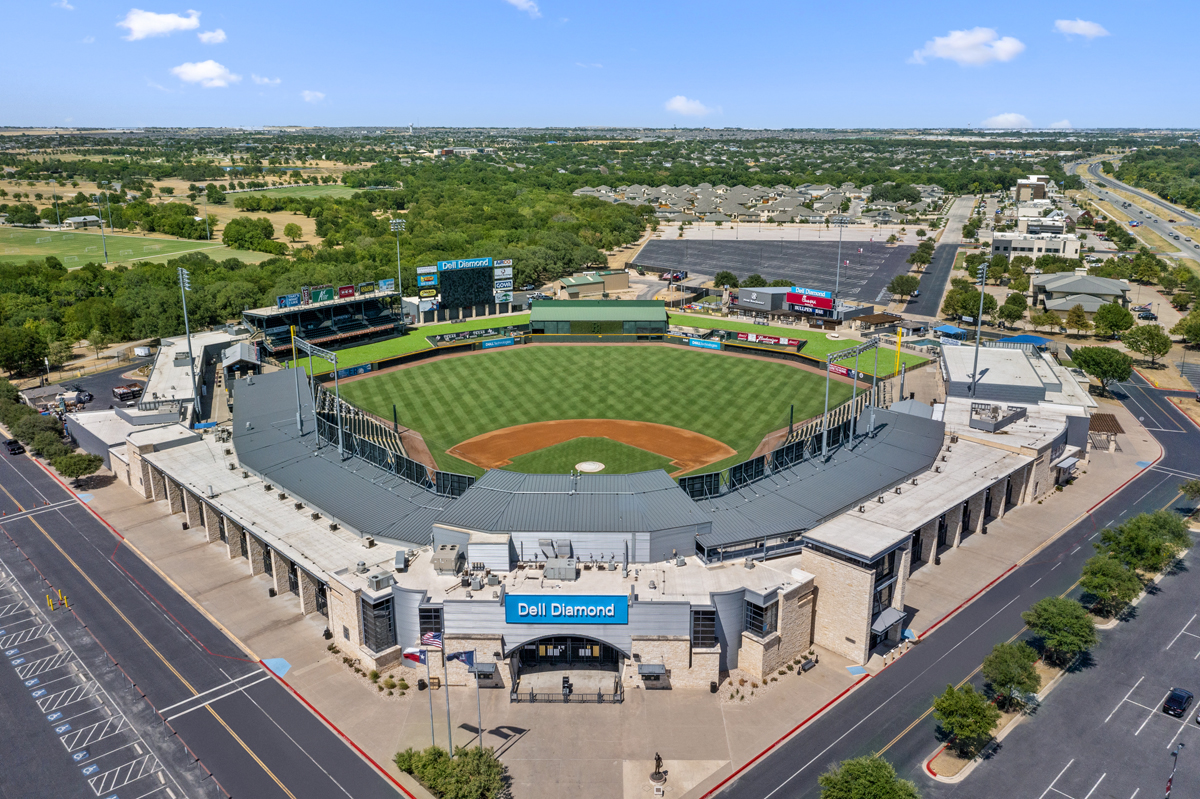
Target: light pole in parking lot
[
  {"x": 840, "y": 222},
  {"x": 1174, "y": 763}
]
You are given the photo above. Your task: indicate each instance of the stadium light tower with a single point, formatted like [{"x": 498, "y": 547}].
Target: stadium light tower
[
  {"x": 185, "y": 285},
  {"x": 840, "y": 222},
  {"x": 398, "y": 228},
  {"x": 982, "y": 275}
]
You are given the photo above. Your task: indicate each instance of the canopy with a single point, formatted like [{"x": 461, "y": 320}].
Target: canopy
[
  {"x": 1037, "y": 341},
  {"x": 949, "y": 330},
  {"x": 651, "y": 668},
  {"x": 887, "y": 618},
  {"x": 1067, "y": 463}
]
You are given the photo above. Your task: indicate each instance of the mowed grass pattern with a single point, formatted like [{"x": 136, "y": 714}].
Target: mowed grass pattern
[
  {"x": 617, "y": 458},
  {"x": 734, "y": 400},
  {"x": 76, "y": 249}
]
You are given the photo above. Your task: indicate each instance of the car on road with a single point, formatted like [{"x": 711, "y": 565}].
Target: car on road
[
  {"x": 1170, "y": 220},
  {"x": 530, "y": 287},
  {"x": 14, "y": 447},
  {"x": 916, "y": 294},
  {"x": 1177, "y": 702},
  {"x": 1153, "y": 317}
]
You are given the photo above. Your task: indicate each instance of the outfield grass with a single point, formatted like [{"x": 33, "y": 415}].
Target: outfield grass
[
  {"x": 76, "y": 249},
  {"x": 617, "y": 458},
  {"x": 413, "y": 341},
  {"x": 819, "y": 344},
  {"x": 302, "y": 191},
  {"x": 734, "y": 400}
]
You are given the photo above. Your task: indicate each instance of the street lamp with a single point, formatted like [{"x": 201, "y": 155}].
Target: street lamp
[
  {"x": 982, "y": 274},
  {"x": 100, "y": 213},
  {"x": 108, "y": 204},
  {"x": 185, "y": 286},
  {"x": 398, "y": 228},
  {"x": 840, "y": 222},
  {"x": 1174, "y": 763},
  {"x": 204, "y": 190}
]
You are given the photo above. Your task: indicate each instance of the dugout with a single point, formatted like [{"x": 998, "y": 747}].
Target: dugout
[{"x": 645, "y": 319}]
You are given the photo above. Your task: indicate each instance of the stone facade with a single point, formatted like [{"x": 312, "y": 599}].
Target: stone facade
[
  {"x": 279, "y": 571},
  {"x": 212, "y": 522},
  {"x": 345, "y": 621},
  {"x": 233, "y": 538},
  {"x": 258, "y": 554},
  {"x": 191, "y": 505},
  {"x": 487, "y": 648},
  {"x": 684, "y": 668},
  {"x": 308, "y": 593},
  {"x": 760, "y": 657},
  {"x": 843, "y": 605}
]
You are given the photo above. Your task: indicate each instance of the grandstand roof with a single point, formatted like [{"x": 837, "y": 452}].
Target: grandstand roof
[{"x": 598, "y": 311}]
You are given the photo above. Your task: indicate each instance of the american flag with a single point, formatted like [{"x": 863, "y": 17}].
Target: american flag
[
  {"x": 432, "y": 640},
  {"x": 860, "y": 250},
  {"x": 845, "y": 263}
]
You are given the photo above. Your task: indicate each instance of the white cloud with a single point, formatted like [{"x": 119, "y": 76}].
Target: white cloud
[
  {"x": 212, "y": 37},
  {"x": 143, "y": 24},
  {"x": 1062, "y": 124},
  {"x": 589, "y": 66},
  {"x": 261, "y": 81},
  {"x": 208, "y": 74},
  {"x": 1007, "y": 121},
  {"x": 312, "y": 97},
  {"x": 1080, "y": 27},
  {"x": 528, "y": 6},
  {"x": 689, "y": 108},
  {"x": 89, "y": 39},
  {"x": 970, "y": 48},
  {"x": 63, "y": 4},
  {"x": 157, "y": 86}
]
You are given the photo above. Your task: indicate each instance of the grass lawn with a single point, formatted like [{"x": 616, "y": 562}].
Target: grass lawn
[
  {"x": 301, "y": 191},
  {"x": 734, "y": 400},
  {"x": 819, "y": 344},
  {"x": 617, "y": 458},
  {"x": 412, "y": 341},
  {"x": 76, "y": 249}
]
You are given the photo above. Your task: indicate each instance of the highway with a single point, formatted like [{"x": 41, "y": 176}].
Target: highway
[
  {"x": 135, "y": 693},
  {"x": 1161, "y": 211},
  {"x": 887, "y": 713}
]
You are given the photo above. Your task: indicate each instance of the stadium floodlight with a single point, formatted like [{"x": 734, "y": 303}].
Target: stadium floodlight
[
  {"x": 840, "y": 223},
  {"x": 870, "y": 344},
  {"x": 981, "y": 274},
  {"x": 185, "y": 285},
  {"x": 299, "y": 343},
  {"x": 398, "y": 226}
]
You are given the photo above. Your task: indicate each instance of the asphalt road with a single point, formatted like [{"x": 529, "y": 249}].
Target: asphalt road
[
  {"x": 1161, "y": 210},
  {"x": 884, "y": 715},
  {"x": 936, "y": 276},
  {"x": 243, "y": 725}
]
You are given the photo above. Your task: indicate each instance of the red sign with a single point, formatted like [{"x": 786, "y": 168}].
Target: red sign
[
  {"x": 839, "y": 370},
  {"x": 345, "y": 291},
  {"x": 810, "y": 301},
  {"x": 756, "y": 338}
]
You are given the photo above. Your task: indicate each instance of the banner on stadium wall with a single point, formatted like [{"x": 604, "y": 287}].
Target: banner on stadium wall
[
  {"x": 464, "y": 263},
  {"x": 500, "y": 274},
  {"x": 809, "y": 301},
  {"x": 427, "y": 270},
  {"x": 838, "y": 369},
  {"x": 505, "y": 262},
  {"x": 426, "y": 294},
  {"x": 351, "y": 371},
  {"x": 704, "y": 344},
  {"x": 322, "y": 293},
  {"x": 345, "y": 291},
  {"x": 757, "y": 339},
  {"x": 504, "y": 285},
  {"x": 305, "y": 295},
  {"x": 366, "y": 288},
  {"x": 388, "y": 285},
  {"x": 503, "y": 296},
  {"x": 288, "y": 300},
  {"x": 427, "y": 280},
  {"x": 811, "y": 293},
  {"x": 508, "y": 341}
]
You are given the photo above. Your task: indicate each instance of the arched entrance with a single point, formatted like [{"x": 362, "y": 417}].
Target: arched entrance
[
  {"x": 566, "y": 652},
  {"x": 566, "y": 668}
]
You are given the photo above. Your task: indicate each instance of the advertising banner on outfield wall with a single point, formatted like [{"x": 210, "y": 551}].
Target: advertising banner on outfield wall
[
  {"x": 366, "y": 288},
  {"x": 464, "y": 263},
  {"x": 305, "y": 295},
  {"x": 507, "y": 341},
  {"x": 503, "y": 296},
  {"x": 499, "y": 274},
  {"x": 838, "y": 369},
  {"x": 504, "y": 285},
  {"x": 351, "y": 371},
  {"x": 426, "y": 280},
  {"x": 704, "y": 344},
  {"x": 755, "y": 338},
  {"x": 345, "y": 292}
]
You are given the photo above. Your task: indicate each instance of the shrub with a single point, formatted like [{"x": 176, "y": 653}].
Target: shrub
[
  {"x": 49, "y": 445},
  {"x": 389, "y": 683},
  {"x": 472, "y": 773},
  {"x": 373, "y": 675}
]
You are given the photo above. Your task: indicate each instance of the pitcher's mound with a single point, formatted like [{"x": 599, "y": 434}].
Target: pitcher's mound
[{"x": 590, "y": 466}]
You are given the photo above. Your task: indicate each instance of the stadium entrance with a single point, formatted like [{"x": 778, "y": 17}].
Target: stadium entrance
[
  {"x": 567, "y": 668},
  {"x": 565, "y": 651}
]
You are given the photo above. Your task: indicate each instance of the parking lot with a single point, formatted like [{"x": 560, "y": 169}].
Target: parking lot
[{"x": 1102, "y": 734}]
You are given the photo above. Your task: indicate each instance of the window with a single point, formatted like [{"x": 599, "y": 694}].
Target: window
[
  {"x": 882, "y": 599},
  {"x": 379, "y": 625},
  {"x": 761, "y": 621},
  {"x": 704, "y": 629},
  {"x": 885, "y": 567},
  {"x": 431, "y": 620}
]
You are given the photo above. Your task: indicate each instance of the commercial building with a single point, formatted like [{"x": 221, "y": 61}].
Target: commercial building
[
  {"x": 1035, "y": 244},
  {"x": 1062, "y": 291}
]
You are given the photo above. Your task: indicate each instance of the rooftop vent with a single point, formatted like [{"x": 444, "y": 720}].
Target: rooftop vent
[
  {"x": 314, "y": 516},
  {"x": 361, "y": 568},
  {"x": 879, "y": 499},
  {"x": 368, "y": 541},
  {"x": 862, "y": 508},
  {"x": 298, "y": 505},
  {"x": 897, "y": 489}
]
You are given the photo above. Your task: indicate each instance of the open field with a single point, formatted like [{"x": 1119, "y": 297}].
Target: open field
[
  {"x": 452, "y": 400},
  {"x": 561, "y": 458},
  {"x": 819, "y": 344},
  {"x": 413, "y": 341},
  {"x": 76, "y": 248},
  {"x": 301, "y": 191}
]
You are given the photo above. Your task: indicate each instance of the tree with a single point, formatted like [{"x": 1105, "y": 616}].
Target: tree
[
  {"x": 49, "y": 445},
  {"x": 1191, "y": 489},
  {"x": 59, "y": 352},
  {"x": 214, "y": 194},
  {"x": 904, "y": 285},
  {"x": 77, "y": 464},
  {"x": 863, "y": 778},
  {"x": 1104, "y": 363},
  {"x": 1112, "y": 318},
  {"x": 1077, "y": 319},
  {"x": 1010, "y": 314},
  {"x": 1009, "y": 669},
  {"x": 725, "y": 278},
  {"x": 1111, "y": 583},
  {"x": 1148, "y": 340},
  {"x": 98, "y": 340},
  {"x": 1045, "y": 319},
  {"x": 997, "y": 268},
  {"x": 472, "y": 774},
  {"x": 1063, "y": 627},
  {"x": 292, "y": 231},
  {"x": 1147, "y": 542},
  {"x": 967, "y": 717},
  {"x": 754, "y": 281},
  {"x": 921, "y": 233}
]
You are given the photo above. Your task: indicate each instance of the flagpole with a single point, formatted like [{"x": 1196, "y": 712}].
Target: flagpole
[
  {"x": 429, "y": 687},
  {"x": 446, "y": 673},
  {"x": 478, "y": 703}
]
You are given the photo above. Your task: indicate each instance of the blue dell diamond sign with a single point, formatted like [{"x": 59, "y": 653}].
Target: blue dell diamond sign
[{"x": 582, "y": 609}]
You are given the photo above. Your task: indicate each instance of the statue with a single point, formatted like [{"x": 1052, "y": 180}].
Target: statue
[{"x": 658, "y": 777}]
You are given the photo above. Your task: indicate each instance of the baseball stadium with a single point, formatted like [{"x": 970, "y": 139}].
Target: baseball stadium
[{"x": 594, "y": 491}]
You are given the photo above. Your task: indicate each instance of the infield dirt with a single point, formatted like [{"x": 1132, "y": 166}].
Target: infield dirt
[{"x": 686, "y": 449}]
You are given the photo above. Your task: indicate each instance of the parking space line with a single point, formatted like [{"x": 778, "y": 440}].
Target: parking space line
[
  {"x": 1154, "y": 710},
  {"x": 1056, "y": 779},
  {"x": 1176, "y": 638},
  {"x": 1131, "y": 690},
  {"x": 1097, "y": 785}
]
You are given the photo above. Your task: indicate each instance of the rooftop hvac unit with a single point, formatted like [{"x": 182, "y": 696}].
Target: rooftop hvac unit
[
  {"x": 447, "y": 558},
  {"x": 561, "y": 569},
  {"x": 282, "y": 495},
  {"x": 493, "y": 579},
  {"x": 232, "y": 466},
  {"x": 476, "y": 584},
  {"x": 914, "y": 481},
  {"x": 379, "y": 581},
  {"x": 368, "y": 541},
  {"x": 298, "y": 505},
  {"x": 937, "y": 469}
]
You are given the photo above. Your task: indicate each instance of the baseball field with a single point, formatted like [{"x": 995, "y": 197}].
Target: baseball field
[{"x": 634, "y": 407}]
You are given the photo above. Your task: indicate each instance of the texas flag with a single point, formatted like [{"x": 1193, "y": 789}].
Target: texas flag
[
  {"x": 465, "y": 657},
  {"x": 846, "y": 263},
  {"x": 860, "y": 250},
  {"x": 415, "y": 655}
]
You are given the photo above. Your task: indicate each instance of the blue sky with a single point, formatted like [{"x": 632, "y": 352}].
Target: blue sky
[{"x": 553, "y": 62}]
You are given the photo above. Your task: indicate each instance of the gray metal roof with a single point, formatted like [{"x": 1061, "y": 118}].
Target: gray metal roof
[
  {"x": 504, "y": 501},
  {"x": 357, "y": 494},
  {"x": 805, "y": 495}
]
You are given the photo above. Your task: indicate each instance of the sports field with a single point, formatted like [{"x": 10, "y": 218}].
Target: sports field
[
  {"x": 617, "y": 458},
  {"x": 77, "y": 248},
  {"x": 735, "y": 401},
  {"x": 300, "y": 191}
]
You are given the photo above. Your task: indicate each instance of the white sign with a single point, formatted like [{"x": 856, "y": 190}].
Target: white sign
[
  {"x": 427, "y": 270},
  {"x": 504, "y": 272},
  {"x": 504, "y": 285},
  {"x": 503, "y": 296},
  {"x": 505, "y": 262}
]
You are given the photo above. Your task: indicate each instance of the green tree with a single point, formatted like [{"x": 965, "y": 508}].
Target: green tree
[
  {"x": 1148, "y": 340},
  {"x": 1063, "y": 627},
  {"x": 214, "y": 194},
  {"x": 1077, "y": 319},
  {"x": 1104, "y": 363},
  {"x": 77, "y": 464},
  {"x": 1191, "y": 489},
  {"x": 967, "y": 717},
  {"x": 59, "y": 352},
  {"x": 754, "y": 281},
  {"x": 49, "y": 445},
  {"x": 30, "y": 427},
  {"x": 1010, "y": 669},
  {"x": 725, "y": 278},
  {"x": 1045, "y": 319},
  {"x": 865, "y": 778},
  {"x": 292, "y": 231},
  {"x": 904, "y": 285},
  {"x": 98, "y": 340},
  {"x": 1111, "y": 582},
  {"x": 997, "y": 267},
  {"x": 1147, "y": 542},
  {"x": 1112, "y": 318},
  {"x": 1011, "y": 314}
]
